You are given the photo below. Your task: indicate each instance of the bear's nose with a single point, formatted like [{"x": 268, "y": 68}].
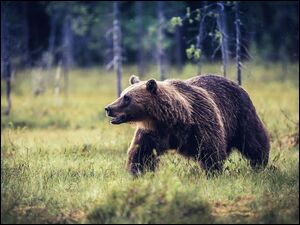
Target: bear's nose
[{"x": 108, "y": 110}]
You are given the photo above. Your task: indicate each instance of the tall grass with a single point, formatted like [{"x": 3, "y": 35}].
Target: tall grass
[{"x": 62, "y": 162}]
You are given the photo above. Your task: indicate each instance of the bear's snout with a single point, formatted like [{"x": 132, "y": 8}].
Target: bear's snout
[{"x": 108, "y": 110}]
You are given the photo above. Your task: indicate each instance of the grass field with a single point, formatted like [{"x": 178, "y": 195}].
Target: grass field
[{"x": 62, "y": 162}]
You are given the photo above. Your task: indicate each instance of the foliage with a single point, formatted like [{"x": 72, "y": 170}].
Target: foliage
[
  {"x": 194, "y": 53},
  {"x": 262, "y": 26}
]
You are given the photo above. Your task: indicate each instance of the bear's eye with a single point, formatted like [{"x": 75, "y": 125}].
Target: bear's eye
[{"x": 126, "y": 99}]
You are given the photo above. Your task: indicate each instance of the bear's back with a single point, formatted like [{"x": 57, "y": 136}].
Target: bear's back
[{"x": 230, "y": 98}]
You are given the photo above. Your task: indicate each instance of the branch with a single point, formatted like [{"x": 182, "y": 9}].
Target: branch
[
  {"x": 215, "y": 51},
  {"x": 109, "y": 65}
]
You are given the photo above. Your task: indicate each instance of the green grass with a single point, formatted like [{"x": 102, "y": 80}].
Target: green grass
[{"x": 62, "y": 162}]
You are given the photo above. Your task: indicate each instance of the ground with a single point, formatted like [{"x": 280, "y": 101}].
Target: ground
[{"x": 61, "y": 161}]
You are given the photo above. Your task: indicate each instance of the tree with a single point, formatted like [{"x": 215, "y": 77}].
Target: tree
[
  {"x": 160, "y": 41},
  {"x": 201, "y": 36},
  {"x": 238, "y": 44},
  {"x": 25, "y": 30},
  {"x": 52, "y": 37},
  {"x": 221, "y": 22},
  {"x": 139, "y": 36},
  {"x": 67, "y": 49},
  {"x": 6, "y": 64},
  {"x": 117, "y": 46},
  {"x": 178, "y": 48}
]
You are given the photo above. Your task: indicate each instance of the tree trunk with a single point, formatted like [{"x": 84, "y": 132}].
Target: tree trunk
[
  {"x": 117, "y": 47},
  {"x": 139, "y": 33},
  {"x": 6, "y": 65},
  {"x": 2, "y": 38},
  {"x": 178, "y": 54},
  {"x": 57, "y": 82},
  {"x": 51, "y": 41},
  {"x": 238, "y": 44},
  {"x": 200, "y": 37},
  {"x": 66, "y": 78},
  {"x": 67, "y": 53},
  {"x": 160, "y": 40},
  {"x": 108, "y": 53},
  {"x": 221, "y": 22},
  {"x": 26, "y": 59}
]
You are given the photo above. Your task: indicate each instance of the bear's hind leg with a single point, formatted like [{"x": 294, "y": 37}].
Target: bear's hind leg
[
  {"x": 212, "y": 163},
  {"x": 254, "y": 145},
  {"x": 257, "y": 154}
]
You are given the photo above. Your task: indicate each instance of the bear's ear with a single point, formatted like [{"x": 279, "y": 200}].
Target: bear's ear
[
  {"x": 133, "y": 79},
  {"x": 151, "y": 86}
]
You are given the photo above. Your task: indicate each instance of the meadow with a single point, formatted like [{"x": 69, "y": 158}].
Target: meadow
[{"x": 63, "y": 162}]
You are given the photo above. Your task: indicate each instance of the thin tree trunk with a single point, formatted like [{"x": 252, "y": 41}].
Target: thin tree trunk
[
  {"x": 238, "y": 44},
  {"x": 108, "y": 53},
  {"x": 6, "y": 57},
  {"x": 8, "y": 91},
  {"x": 2, "y": 38},
  {"x": 51, "y": 41},
  {"x": 68, "y": 60},
  {"x": 66, "y": 78},
  {"x": 69, "y": 43},
  {"x": 160, "y": 40},
  {"x": 117, "y": 47},
  {"x": 221, "y": 22},
  {"x": 57, "y": 82},
  {"x": 178, "y": 54},
  {"x": 26, "y": 59},
  {"x": 139, "y": 33},
  {"x": 200, "y": 37}
]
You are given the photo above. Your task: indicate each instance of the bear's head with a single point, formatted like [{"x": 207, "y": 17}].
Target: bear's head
[
  {"x": 150, "y": 102},
  {"x": 132, "y": 105}
]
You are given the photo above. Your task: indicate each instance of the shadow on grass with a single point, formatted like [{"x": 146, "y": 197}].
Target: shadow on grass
[
  {"x": 136, "y": 205},
  {"x": 278, "y": 203}
]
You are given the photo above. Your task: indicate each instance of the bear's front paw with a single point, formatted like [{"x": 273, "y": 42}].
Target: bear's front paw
[{"x": 135, "y": 169}]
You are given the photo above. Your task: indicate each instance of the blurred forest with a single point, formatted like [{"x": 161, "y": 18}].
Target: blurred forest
[
  {"x": 81, "y": 34},
  {"x": 43, "y": 33}
]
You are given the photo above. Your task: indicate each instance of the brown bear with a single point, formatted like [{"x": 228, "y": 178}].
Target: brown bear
[{"x": 204, "y": 118}]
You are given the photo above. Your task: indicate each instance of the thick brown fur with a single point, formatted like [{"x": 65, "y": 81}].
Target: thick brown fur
[{"x": 204, "y": 118}]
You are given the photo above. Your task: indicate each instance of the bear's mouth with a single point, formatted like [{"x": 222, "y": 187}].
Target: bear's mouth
[{"x": 120, "y": 119}]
